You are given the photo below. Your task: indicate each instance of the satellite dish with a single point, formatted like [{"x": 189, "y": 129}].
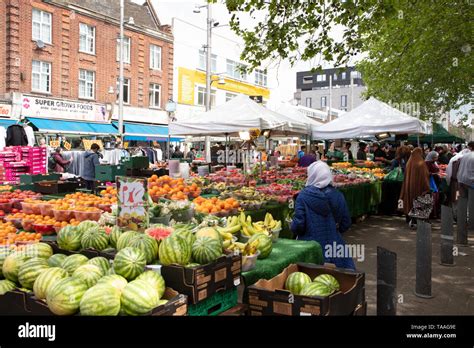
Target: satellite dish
[{"x": 39, "y": 44}]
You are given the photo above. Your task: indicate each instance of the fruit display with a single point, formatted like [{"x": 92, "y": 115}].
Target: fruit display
[
  {"x": 296, "y": 281},
  {"x": 265, "y": 244},
  {"x": 175, "y": 250},
  {"x": 5, "y": 188},
  {"x": 269, "y": 227},
  {"x": 174, "y": 189},
  {"x": 216, "y": 206},
  {"x": 206, "y": 250},
  {"x": 129, "y": 263},
  {"x": 299, "y": 283}
]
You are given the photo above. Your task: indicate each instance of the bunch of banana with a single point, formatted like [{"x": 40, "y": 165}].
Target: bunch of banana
[
  {"x": 268, "y": 225},
  {"x": 227, "y": 232},
  {"x": 246, "y": 249},
  {"x": 247, "y": 226}
]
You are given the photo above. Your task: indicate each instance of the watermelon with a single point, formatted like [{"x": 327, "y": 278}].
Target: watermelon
[
  {"x": 64, "y": 297},
  {"x": 316, "y": 289},
  {"x": 138, "y": 298},
  {"x": 186, "y": 234},
  {"x": 327, "y": 280},
  {"x": 4, "y": 252},
  {"x": 265, "y": 244},
  {"x": 11, "y": 265},
  {"x": 155, "y": 280},
  {"x": 41, "y": 250},
  {"x": 114, "y": 235},
  {"x": 295, "y": 282},
  {"x": 69, "y": 238},
  {"x": 100, "y": 262},
  {"x": 192, "y": 265},
  {"x": 72, "y": 262},
  {"x": 95, "y": 238},
  {"x": 162, "y": 302},
  {"x": 30, "y": 270},
  {"x": 124, "y": 239},
  {"x": 87, "y": 225},
  {"x": 100, "y": 300},
  {"x": 89, "y": 274},
  {"x": 159, "y": 231},
  {"x": 129, "y": 263},
  {"x": 175, "y": 250},
  {"x": 6, "y": 286},
  {"x": 111, "y": 271},
  {"x": 56, "y": 260},
  {"x": 115, "y": 280},
  {"x": 46, "y": 279},
  {"x": 147, "y": 244},
  {"x": 209, "y": 232},
  {"x": 206, "y": 250}
]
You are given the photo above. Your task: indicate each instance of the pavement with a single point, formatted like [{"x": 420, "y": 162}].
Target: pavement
[{"x": 452, "y": 287}]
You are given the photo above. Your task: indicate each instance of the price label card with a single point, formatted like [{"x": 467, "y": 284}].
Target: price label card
[{"x": 132, "y": 197}]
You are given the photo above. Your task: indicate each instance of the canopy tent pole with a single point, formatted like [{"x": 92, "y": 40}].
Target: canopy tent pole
[{"x": 226, "y": 149}]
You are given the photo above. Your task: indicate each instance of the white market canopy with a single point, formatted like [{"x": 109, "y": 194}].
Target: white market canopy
[
  {"x": 372, "y": 117},
  {"x": 237, "y": 115},
  {"x": 295, "y": 114}
]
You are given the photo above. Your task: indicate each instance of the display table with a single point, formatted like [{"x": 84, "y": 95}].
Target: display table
[
  {"x": 284, "y": 253},
  {"x": 363, "y": 198}
]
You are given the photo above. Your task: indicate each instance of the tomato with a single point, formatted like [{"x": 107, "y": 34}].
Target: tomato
[
  {"x": 14, "y": 211},
  {"x": 2, "y": 213}
]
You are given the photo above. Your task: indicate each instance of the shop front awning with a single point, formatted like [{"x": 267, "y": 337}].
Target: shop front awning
[
  {"x": 61, "y": 126},
  {"x": 5, "y": 122},
  {"x": 146, "y": 132}
]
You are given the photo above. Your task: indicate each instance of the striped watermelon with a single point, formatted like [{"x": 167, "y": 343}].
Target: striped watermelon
[
  {"x": 316, "y": 289},
  {"x": 206, "y": 250},
  {"x": 64, "y": 297},
  {"x": 147, "y": 244},
  {"x": 6, "y": 286},
  {"x": 192, "y": 265},
  {"x": 100, "y": 262},
  {"x": 186, "y": 234},
  {"x": 12, "y": 264},
  {"x": 114, "y": 235},
  {"x": 100, "y": 300},
  {"x": 47, "y": 279},
  {"x": 72, "y": 262},
  {"x": 265, "y": 244},
  {"x": 138, "y": 298},
  {"x": 87, "y": 225},
  {"x": 124, "y": 239},
  {"x": 117, "y": 281},
  {"x": 4, "y": 252},
  {"x": 95, "y": 238},
  {"x": 41, "y": 250},
  {"x": 162, "y": 302},
  {"x": 155, "y": 280},
  {"x": 69, "y": 238},
  {"x": 327, "y": 280},
  {"x": 295, "y": 282},
  {"x": 129, "y": 263},
  {"x": 209, "y": 232},
  {"x": 30, "y": 270},
  {"x": 56, "y": 260},
  {"x": 89, "y": 274},
  {"x": 174, "y": 250}
]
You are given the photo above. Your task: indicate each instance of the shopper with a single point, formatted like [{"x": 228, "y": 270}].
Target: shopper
[
  {"x": 362, "y": 154},
  {"x": 302, "y": 152},
  {"x": 307, "y": 159},
  {"x": 91, "y": 160},
  {"x": 435, "y": 181},
  {"x": 401, "y": 157},
  {"x": 347, "y": 148},
  {"x": 321, "y": 214},
  {"x": 416, "y": 181},
  {"x": 191, "y": 155},
  {"x": 60, "y": 163},
  {"x": 466, "y": 171},
  {"x": 177, "y": 153}
]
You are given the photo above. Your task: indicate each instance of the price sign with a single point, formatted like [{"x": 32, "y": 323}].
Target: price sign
[
  {"x": 67, "y": 145},
  {"x": 88, "y": 143},
  {"x": 54, "y": 143},
  {"x": 132, "y": 197}
]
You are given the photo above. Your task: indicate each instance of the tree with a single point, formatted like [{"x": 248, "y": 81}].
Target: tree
[{"x": 415, "y": 51}]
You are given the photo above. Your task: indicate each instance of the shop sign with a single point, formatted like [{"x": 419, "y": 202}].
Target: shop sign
[
  {"x": 5, "y": 110},
  {"x": 132, "y": 197},
  {"x": 62, "y": 109},
  {"x": 87, "y": 143}
]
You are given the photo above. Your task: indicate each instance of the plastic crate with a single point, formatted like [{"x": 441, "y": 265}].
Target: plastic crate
[
  {"x": 108, "y": 172},
  {"x": 215, "y": 305},
  {"x": 138, "y": 162}
]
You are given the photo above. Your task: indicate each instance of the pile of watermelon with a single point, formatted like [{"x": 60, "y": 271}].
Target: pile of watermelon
[
  {"x": 75, "y": 284},
  {"x": 299, "y": 283}
]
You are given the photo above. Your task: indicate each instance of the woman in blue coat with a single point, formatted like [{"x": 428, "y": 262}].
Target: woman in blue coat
[{"x": 321, "y": 214}]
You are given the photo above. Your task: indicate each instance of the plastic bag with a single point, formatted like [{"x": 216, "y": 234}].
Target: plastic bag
[
  {"x": 433, "y": 186},
  {"x": 395, "y": 175}
]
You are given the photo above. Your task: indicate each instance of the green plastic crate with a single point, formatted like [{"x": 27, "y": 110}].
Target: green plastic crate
[
  {"x": 137, "y": 162},
  {"x": 108, "y": 172},
  {"x": 215, "y": 305},
  {"x": 30, "y": 179}
]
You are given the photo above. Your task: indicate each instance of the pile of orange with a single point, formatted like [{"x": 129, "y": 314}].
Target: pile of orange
[
  {"x": 109, "y": 191},
  {"x": 42, "y": 220},
  {"x": 175, "y": 189},
  {"x": 215, "y": 205},
  {"x": 12, "y": 237},
  {"x": 82, "y": 208}
]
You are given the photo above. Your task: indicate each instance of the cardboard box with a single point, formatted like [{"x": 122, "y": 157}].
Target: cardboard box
[
  {"x": 14, "y": 303},
  {"x": 90, "y": 253},
  {"x": 204, "y": 281},
  {"x": 269, "y": 297},
  {"x": 53, "y": 187}
]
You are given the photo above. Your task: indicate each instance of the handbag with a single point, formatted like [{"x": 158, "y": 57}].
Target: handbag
[
  {"x": 395, "y": 174},
  {"x": 422, "y": 207}
]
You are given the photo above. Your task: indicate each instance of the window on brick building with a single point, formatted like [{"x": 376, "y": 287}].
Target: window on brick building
[
  {"x": 86, "y": 38},
  {"x": 41, "y": 77},
  {"x": 126, "y": 49},
  {"x": 155, "y": 57},
  {"x": 154, "y": 95},
  {"x": 41, "y": 26},
  {"x": 86, "y": 84},
  {"x": 126, "y": 90}
]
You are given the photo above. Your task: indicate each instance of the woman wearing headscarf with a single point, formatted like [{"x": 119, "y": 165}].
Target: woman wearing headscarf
[
  {"x": 321, "y": 214},
  {"x": 431, "y": 161},
  {"x": 416, "y": 180}
]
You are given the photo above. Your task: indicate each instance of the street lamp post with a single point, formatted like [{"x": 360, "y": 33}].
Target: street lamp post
[
  {"x": 170, "y": 108},
  {"x": 120, "y": 118}
]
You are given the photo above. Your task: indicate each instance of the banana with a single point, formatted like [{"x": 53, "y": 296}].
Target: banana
[
  {"x": 227, "y": 236},
  {"x": 227, "y": 243},
  {"x": 229, "y": 229},
  {"x": 249, "y": 220},
  {"x": 277, "y": 226},
  {"x": 235, "y": 221},
  {"x": 251, "y": 230},
  {"x": 245, "y": 231},
  {"x": 242, "y": 219}
]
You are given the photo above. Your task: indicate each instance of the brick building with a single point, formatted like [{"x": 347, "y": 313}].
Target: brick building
[{"x": 67, "y": 50}]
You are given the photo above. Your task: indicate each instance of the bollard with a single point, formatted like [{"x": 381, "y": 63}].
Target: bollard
[
  {"x": 470, "y": 206},
  {"x": 447, "y": 238},
  {"x": 386, "y": 282},
  {"x": 423, "y": 260},
  {"x": 462, "y": 221}
]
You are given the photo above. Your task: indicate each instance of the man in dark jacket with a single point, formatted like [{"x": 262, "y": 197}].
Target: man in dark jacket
[
  {"x": 60, "y": 162},
  {"x": 91, "y": 160}
]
